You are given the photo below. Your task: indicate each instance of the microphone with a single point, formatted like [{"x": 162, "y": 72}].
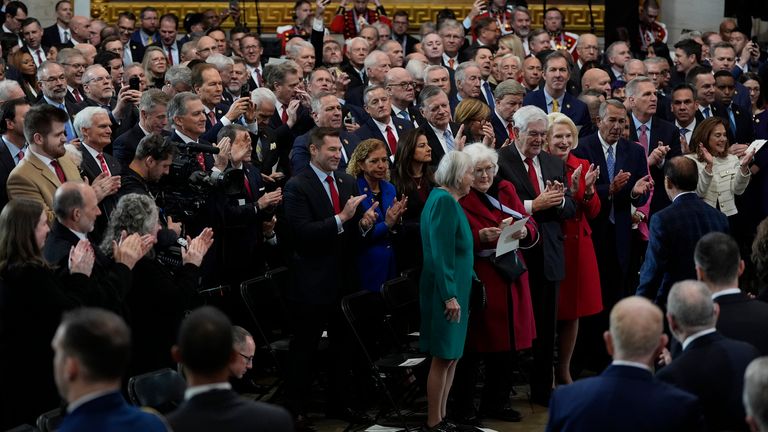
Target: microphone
[{"x": 202, "y": 148}]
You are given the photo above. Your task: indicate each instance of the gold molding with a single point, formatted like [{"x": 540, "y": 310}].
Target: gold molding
[{"x": 274, "y": 14}]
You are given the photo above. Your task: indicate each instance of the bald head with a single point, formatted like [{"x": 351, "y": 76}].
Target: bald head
[
  {"x": 636, "y": 330},
  {"x": 206, "y": 46},
  {"x": 596, "y": 79},
  {"x": 690, "y": 309}
]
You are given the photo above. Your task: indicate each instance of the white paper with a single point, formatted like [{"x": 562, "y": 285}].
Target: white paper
[
  {"x": 756, "y": 145},
  {"x": 414, "y": 334},
  {"x": 380, "y": 428},
  {"x": 412, "y": 361},
  {"x": 506, "y": 243}
]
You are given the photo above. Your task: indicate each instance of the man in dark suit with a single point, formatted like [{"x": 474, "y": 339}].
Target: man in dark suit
[
  {"x": 167, "y": 37},
  {"x": 92, "y": 350},
  {"x": 99, "y": 92},
  {"x": 400, "y": 32},
  {"x": 624, "y": 183},
  {"x": 509, "y": 96},
  {"x": 737, "y": 120},
  {"x": 205, "y": 349},
  {"x": 133, "y": 52},
  {"x": 675, "y": 230},
  {"x": 402, "y": 90},
  {"x": 701, "y": 78},
  {"x": 659, "y": 138},
  {"x": 719, "y": 265},
  {"x": 626, "y": 396},
  {"x": 59, "y": 34},
  {"x": 147, "y": 34},
  {"x": 153, "y": 118},
  {"x": 53, "y": 87},
  {"x": 711, "y": 366},
  {"x": 32, "y": 33},
  {"x": 291, "y": 118},
  {"x": 206, "y": 82},
  {"x": 323, "y": 213},
  {"x": 13, "y": 146},
  {"x": 553, "y": 97},
  {"x": 357, "y": 50},
  {"x": 381, "y": 125},
  {"x": 326, "y": 111},
  {"x": 438, "y": 127},
  {"x": 539, "y": 179}
]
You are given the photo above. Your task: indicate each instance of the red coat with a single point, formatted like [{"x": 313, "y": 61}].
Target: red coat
[
  {"x": 345, "y": 23},
  {"x": 580, "y": 290},
  {"x": 489, "y": 329}
]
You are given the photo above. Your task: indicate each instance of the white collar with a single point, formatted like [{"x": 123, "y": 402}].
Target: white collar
[
  {"x": 697, "y": 335},
  {"x": 604, "y": 143},
  {"x": 681, "y": 194},
  {"x": 690, "y": 127},
  {"x": 631, "y": 364},
  {"x": 183, "y": 137},
  {"x": 726, "y": 292},
  {"x": 45, "y": 159},
  {"x": 191, "y": 392},
  {"x": 383, "y": 126},
  {"x": 91, "y": 150},
  {"x": 81, "y": 236}
]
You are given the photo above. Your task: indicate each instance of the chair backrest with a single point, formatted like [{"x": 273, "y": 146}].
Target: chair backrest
[
  {"x": 401, "y": 296},
  {"x": 162, "y": 390},
  {"x": 366, "y": 314},
  {"x": 50, "y": 421},
  {"x": 263, "y": 296}
]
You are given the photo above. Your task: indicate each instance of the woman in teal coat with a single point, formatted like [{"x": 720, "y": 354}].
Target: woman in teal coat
[{"x": 446, "y": 280}]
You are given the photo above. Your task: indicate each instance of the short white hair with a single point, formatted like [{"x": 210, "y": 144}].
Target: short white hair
[
  {"x": 480, "y": 153},
  {"x": 527, "y": 115},
  {"x": 262, "y": 94},
  {"x": 452, "y": 168},
  {"x": 358, "y": 39},
  {"x": 755, "y": 397},
  {"x": 372, "y": 59},
  {"x": 220, "y": 61},
  {"x": 293, "y": 50},
  {"x": 416, "y": 68},
  {"x": 84, "y": 119}
]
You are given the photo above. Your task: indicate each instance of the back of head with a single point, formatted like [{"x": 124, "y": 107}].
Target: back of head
[
  {"x": 205, "y": 341},
  {"x": 682, "y": 173},
  {"x": 67, "y": 198},
  {"x": 755, "y": 396},
  {"x": 18, "y": 220},
  {"x": 636, "y": 327},
  {"x": 690, "y": 305},
  {"x": 717, "y": 256},
  {"x": 99, "y": 339}
]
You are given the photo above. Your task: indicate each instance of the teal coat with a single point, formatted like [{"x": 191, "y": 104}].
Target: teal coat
[{"x": 448, "y": 259}]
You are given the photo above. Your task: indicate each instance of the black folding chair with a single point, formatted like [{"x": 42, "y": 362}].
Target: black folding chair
[
  {"x": 50, "y": 421},
  {"x": 401, "y": 296},
  {"x": 390, "y": 368},
  {"x": 161, "y": 390}
]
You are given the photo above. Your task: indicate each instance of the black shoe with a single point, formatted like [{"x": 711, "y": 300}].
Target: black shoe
[
  {"x": 443, "y": 426},
  {"x": 469, "y": 419},
  {"x": 350, "y": 415},
  {"x": 507, "y": 414},
  {"x": 303, "y": 424}
]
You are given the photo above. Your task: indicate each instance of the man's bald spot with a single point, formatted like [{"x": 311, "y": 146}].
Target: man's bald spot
[
  {"x": 591, "y": 77},
  {"x": 636, "y": 325}
]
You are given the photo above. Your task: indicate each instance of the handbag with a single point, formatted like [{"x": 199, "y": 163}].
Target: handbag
[
  {"x": 509, "y": 266},
  {"x": 477, "y": 296}
]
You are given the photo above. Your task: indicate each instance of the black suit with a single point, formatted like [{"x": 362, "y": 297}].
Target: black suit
[
  {"x": 119, "y": 126},
  {"x": 354, "y": 77},
  {"x": 284, "y": 135},
  {"x": 124, "y": 147},
  {"x": 7, "y": 164},
  {"x": 502, "y": 133},
  {"x": 51, "y": 37},
  {"x": 434, "y": 143},
  {"x": 410, "y": 42},
  {"x": 369, "y": 130},
  {"x": 744, "y": 319},
  {"x": 207, "y": 156},
  {"x": 546, "y": 261},
  {"x": 225, "y": 410},
  {"x": 92, "y": 168},
  {"x": 712, "y": 368}
]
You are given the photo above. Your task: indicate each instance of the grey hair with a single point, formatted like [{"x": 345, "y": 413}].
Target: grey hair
[
  {"x": 67, "y": 54},
  {"x": 88, "y": 74},
  {"x": 262, "y": 94},
  {"x": 367, "y": 26},
  {"x": 378, "y": 25},
  {"x": 452, "y": 168},
  {"x": 358, "y": 39},
  {"x": 178, "y": 105},
  {"x": 230, "y": 131},
  {"x": 522, "y": 9},
  {"x": 317, "y": 99},
  {"x": 612, "y": 47},
  {"x": 7, "y": 87},
  {"x": 512, "y": 56},
  {"x": 450, "y": 23},
  {"x": 481, "y": 153},
  {"x": 690, "y": 304},
  {"x": 84, "y": 119},
  {"x": 631, "y": 89},
  {"x": 66, "y": 199},
  {"x": 42, "y": 71},
  {"x": 152, "y": 98},
  {"x": 461, "y": 70},
  {"x": 276, "y": 74},
  {"x": 429, "y": 92},
  {"x": 612, "y": 102},
  {"x": 754, "y": 396},
  {"x": 135, "y": 213},
  {"x": 432, "y": 68},
  {"x": 178, "y": 74},
  {"x": 417, "y": 69},
  {"x": 294, "y": 49},
  {"x": 653, "y": 60},
  {"x": 369, "y": 89},
  {"x": 633, "y": 61},
  {"x": 239, "y": 336},
  {"x": 220, "y": 61},
  {"x": 372, "y": 59},
  {"x": 508, "y": 87},
  {"x": 527, "y": 115}
]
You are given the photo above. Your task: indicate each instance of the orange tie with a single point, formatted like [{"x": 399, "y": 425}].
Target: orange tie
[{"x": 450, "y": 63}]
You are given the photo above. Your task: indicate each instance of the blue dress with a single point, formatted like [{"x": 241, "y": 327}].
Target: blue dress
[
  {"x": 377, "y": 256},
  {"x": 447, "y": 272}
]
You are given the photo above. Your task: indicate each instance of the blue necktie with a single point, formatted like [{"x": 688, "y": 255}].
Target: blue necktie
[
  {"x": 449, "y": 139},
  {"x": 732, "y": 119},
  {"x": 68, "y": 125},
  {"x": 404, "y": 115},
  {"x": 488, "y": 94},
  {"x": 683, "y": 131},
  {"x": 706, "y": 112},
  {"x": 611, "y": 162}
]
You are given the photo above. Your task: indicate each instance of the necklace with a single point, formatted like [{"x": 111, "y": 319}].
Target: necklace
[{"x": 417, "y": 180}]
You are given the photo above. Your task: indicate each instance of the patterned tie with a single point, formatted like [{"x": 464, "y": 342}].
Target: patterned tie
[
  {"x": 555, "y": 106},
  {"x": 66, "y": 36},
  {"x": 201, "y": 161},
  {"x": 59, "y": 171},
  {"x": 643, "y": 140},
  {"x": 258, "y": 77},
  {"x": 284, "y": 116},
  {"x": 449, "y": 139},
  {"x": 611, "y": 162},
  {"x": 451, "y": 62},
  {"x": 212, "y": 118},
  {"x": 731, "y": 119},
  {"x": 405, "y": 116},
  {"x": 103, "y": 163},
  {"x": 683, "y": 132},
  {"x": 488, "y": 94},
  {"x": 334, "y": 195},
  {"x": 533, "y": 176},
  {"x": 149, "y": 40},
  {"x": 20, "y": 155},
  {"x": 391, "y": 140},
  {"x": 39, "y": 56},
  {"x": 77, "y": 96},
  {"x": 706, "y": 112}
]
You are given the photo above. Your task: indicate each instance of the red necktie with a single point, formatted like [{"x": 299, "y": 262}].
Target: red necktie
[
  {"x": 334, "y": 195},
  {"x": 77, "y": 96},
  {"x": 533, "y": 176},
  {"x": 450, "y": 63},
  {"x": 511, "y": 131},
  {"x": 39, "y": 57},
  {"x": 170, "y": 56},
  {"x": 21, "y": 155},
  {"x": 284, "y": 116},
  {"x": 247, "y": 187},
  {"x": 391, "y": 140},
  {"x": 59, "y": 171},
  {"x": 201, "y": 161},
  {"x": 104, "y": 167},
  {"x": 212, "y": 118}
]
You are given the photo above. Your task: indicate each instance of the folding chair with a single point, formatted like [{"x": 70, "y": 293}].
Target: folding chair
[
  {"x": 50, "y": 421},
  {"x": 162, "y": 390},
  {"x": 401, "y": 296},
  {"x": 390, "y": 367}
]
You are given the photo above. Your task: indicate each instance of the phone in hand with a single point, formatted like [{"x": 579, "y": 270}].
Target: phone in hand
[
  {"x": 349, "y": 120},
  {"x": 244, "y": 91},
  {"x": 134, "y": 83}
]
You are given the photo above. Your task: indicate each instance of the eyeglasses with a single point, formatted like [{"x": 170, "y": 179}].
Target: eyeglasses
[
  {"x": 96, "y": 80},
  {"x": 74, "y": 65},
  {"x": 405, "y": 85},
  {"x": 487, "y": 171},
  {"x": 52, "y": 80},
  {"x": 248, "y": 359}
]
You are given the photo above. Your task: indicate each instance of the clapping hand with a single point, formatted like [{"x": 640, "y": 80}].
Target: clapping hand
[
  {"x": 746, "y": 160},
  {"x": 489, "y": 138},
  {"x": 642, "y": 186},
  {"x": 618, "y": 182},
  {"x": 706, "y": 156},
  {"x": 590, "y": 178},
  {"x": 81, "y": 258},
  {"x": 576, "y": 179},
  {"x": 129, "y": 249},
  {"x": 369, "y": 217},
  {"x": 197, "y": 248},
  {"x": 395, "y": 211},
  {"x": 221, "y": 159},
  {"x": 460, "y": 140},
  {"x": 105, "y": 185},
  {"x": 658, "y": 154}
]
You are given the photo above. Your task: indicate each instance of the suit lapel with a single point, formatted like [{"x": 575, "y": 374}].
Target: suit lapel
[
  {"x": 519, "y": 170},
  {"x": 47, "y": 173},
  {"x": 622, "y": 151}
]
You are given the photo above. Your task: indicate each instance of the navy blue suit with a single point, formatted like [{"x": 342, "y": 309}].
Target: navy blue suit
[
  {"x": 300, "y": 152},
  {"x": 369, "y": 130},
  {"x": 712, "y": 368},
  {"x": 665, "y": 132},
  {"x": 502, "y": 134},
  {"x": 672, "y": 237},
  {"x": 111, "y": 413},
  {"x": 575, "y": 109},
  {"x": 623, "y": 398},
  {"x": 225, "y": 410},
  {"x": 212, "y": 129},
  {"x": 124, "y": 147}
]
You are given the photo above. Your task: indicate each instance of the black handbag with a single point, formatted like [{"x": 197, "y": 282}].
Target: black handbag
[
  {"x": 477, "y": 296},
  {"x": 509, "y": 266}
]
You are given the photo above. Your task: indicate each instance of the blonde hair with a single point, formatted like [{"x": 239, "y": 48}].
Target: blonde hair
[
  {"x": 513, "y": 43},
  {"x": 361, "y": 153},
  {"x": 560, "y": 118}
]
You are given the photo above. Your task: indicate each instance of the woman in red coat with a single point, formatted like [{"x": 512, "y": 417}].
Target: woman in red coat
[
  {"x": 506, "y": 324},
  {"x": 580, "y": 290}
]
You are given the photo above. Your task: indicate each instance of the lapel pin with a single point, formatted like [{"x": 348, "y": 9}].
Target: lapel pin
[
  {"x": 399, "y": 126},
  {"x": 568, "y": 106},
  {"x": 346, "y": 141}
]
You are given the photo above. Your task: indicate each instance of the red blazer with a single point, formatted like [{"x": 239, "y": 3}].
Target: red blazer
[
  {"x": 489, "y": 329},
  {"x": 345, "y": 23}
]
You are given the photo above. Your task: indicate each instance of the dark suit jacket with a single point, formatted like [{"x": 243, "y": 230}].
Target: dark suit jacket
[
  {"x": 323, "y": 259},
  {"x": 124, "y": 147},
  {"x": 712, "y": 368},
  {"x": 575, "y": 109},
  {"x": 6, "y": 166},
  {"x": 370, "y": 130},
  {"x": 92, "y": 168},
  {"x": 354, "y": 77},
  {"x": 212, "y": 129},
  {"x": 665, "y": 132},
  {"x": 743, "y": 318},
  {"x": 744, "y": 130},
  {"x": 264, "y": 155},
  {"x": 410, "y": 42},
  {"x": 630, "y": 158},
  {"x": 672, "y": 237},
  {"x": 354, "y": 96},
  {"x": 550, "y": 247},
  {"x": 208, "y": 156},
  {"x": 502, "y": 134},
  {"x": 300, "y": 152},
  {"x": 225, "y": 410},
  {"x": 111, "y": 412},
  {"x": 284, "y": 136},
  {"x": 51, "y": 37},
  {"x": 137, "y": 51},
  {"x": 623, "y": 398},
  {"x": 434, "y": 142}
]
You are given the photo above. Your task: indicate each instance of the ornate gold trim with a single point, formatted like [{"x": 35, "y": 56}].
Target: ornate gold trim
[{"x": 274, "y": 14}]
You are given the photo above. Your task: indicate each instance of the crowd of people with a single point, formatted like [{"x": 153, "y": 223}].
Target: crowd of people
[{"x": 141, "y": 168}]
